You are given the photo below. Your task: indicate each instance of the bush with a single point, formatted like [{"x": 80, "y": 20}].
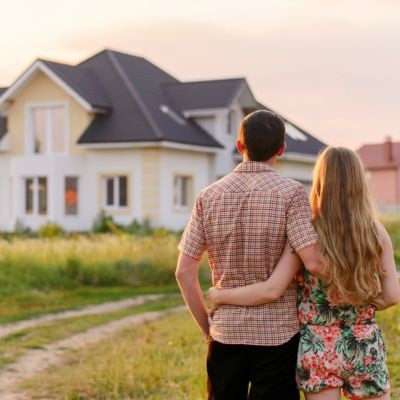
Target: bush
[
  {"x": 105, "y": 224},
  {"x": 20, "y": 229},
  {"x": 50, "y": 230},
  {"x": 138, "y": 229}
]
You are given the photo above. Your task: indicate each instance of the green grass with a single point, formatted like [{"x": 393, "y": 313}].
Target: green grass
[
  {"x": 389, "y": 321},
  {"x": 35, "y": 303},
  {"x": 392, "y": 225},
  {"x": 156, "y": 361},
  {"x": 100, "y": 260},
  {"x": 16, "y": 344},
  {"x": 161, "y": 360}
]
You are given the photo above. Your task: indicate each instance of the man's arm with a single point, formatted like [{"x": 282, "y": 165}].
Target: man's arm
[
  {"x": 188, "y": 281},
  {"x": 261, "y": 292}
]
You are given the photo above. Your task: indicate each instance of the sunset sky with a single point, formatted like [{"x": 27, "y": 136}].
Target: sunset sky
[{"x": 332, "y": 67}]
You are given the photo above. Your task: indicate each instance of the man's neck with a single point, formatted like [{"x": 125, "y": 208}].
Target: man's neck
[{"x": 271, "y": 161}]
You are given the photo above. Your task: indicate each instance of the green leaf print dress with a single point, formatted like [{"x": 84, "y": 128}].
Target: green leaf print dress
[{"x": 340, "y": 346}]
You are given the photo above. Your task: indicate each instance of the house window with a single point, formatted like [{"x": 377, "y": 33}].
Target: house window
[
  {"x": 182, "y": 191},
  {"x": 48, "y": 133},
  {"x": 116, "y": 191},
  {"x": 36, "y": 196},
  {"x": 71, "y": 195}
]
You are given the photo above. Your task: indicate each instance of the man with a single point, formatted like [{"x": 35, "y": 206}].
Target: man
[{"x": 243, "y": 221}]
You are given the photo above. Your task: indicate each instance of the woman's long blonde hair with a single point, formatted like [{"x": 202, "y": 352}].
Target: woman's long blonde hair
[{"x": 347, "y": 226}]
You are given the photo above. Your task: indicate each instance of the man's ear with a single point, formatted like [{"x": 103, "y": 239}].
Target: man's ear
[
  {"x": 281, "y": 150},
  {"x": 240, "y": 147}
]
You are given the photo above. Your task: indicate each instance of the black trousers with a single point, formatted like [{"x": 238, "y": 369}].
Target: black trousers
[{"x": 269, "y": 370}]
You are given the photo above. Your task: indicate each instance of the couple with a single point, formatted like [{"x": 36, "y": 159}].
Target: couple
[{"x": 295, "y": 288}]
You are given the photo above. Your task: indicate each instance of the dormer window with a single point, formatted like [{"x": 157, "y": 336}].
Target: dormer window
[
  {"x": 47, "y": 129},
  {"x": 172, "y": 114},
  {"x": 295, "y": 133}
]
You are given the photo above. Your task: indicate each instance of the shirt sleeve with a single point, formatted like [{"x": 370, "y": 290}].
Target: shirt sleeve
[
  {"x": 299, "y": 228},
  {"x": 193, "y": 241}
]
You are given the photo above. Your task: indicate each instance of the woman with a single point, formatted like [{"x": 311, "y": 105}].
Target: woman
[{"x": 341, "y": 346}]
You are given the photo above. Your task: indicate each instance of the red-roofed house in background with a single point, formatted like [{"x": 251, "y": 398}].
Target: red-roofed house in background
[{"x": 382, "y": 162}]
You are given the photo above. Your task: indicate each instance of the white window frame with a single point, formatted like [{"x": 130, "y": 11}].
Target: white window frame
[
  {"x": 35, "y": 200},
  {"x": 115, "y": 206},
  {"x": 177, "y": 192},
  {"x": 29, "y": 128}
]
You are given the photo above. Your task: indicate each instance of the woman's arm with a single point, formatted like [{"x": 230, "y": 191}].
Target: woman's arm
[
  {"x": 390, "y": 281},
  {"x": 261, "y": 292}
]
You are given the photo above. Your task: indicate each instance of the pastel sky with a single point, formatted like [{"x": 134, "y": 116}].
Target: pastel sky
[{"x": 332, "y": 67}]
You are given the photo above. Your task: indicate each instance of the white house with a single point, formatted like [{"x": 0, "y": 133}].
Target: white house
[{"x": 117, "y": 134}]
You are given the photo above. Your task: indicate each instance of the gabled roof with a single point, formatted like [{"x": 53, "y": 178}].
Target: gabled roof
[
  {"x": 217, "y": 93},
  {"x": 82, "y": 80},
  {"x": 380, "y": 155},
  {"x": 140, "y": 109},
  {"x": 55, "y": 72}
]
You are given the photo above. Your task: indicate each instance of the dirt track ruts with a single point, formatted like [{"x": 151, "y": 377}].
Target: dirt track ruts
[
  {"x": 8, "y": 329},
  {"x": 37, "y": 360}
]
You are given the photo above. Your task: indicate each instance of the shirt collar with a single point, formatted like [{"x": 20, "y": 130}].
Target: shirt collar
[{"x": 253, "y": 166}]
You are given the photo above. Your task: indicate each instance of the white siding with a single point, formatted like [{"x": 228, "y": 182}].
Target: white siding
[
  {"x": 196, "y": 165},
  {"x": 5, "y": 202}
]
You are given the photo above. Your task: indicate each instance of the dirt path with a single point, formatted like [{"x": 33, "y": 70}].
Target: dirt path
[
  {"x": 8, "y": 329},
  {"x": 38, "y": 360}
]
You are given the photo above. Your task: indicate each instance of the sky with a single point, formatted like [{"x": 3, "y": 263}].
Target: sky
[{"x": 332, "y": 67}]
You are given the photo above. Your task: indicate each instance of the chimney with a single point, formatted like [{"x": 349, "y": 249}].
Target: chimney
[{"x": 388, "y": 149}]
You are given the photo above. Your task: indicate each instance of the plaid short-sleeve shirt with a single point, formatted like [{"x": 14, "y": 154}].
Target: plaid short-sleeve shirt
[{"x": 243, "y": 221}]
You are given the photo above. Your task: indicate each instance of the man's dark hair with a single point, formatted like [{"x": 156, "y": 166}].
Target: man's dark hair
[{"x": 262, "y": 133}]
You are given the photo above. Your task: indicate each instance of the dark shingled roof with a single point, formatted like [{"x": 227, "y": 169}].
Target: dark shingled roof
[
  {"x": 84, "y": 81},
  {"x": 133, "y": 85},
  {"x": 139, "y": 102},
  {"x": 203, "y": 94}
]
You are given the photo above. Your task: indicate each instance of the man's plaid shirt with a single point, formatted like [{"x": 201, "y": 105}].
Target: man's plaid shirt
[{"x": 243, "y": 221}]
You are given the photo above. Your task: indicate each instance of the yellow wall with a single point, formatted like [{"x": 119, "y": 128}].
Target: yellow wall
[
  {"x": 43, "y": 89},
  {"x": 151, "y": 184}
]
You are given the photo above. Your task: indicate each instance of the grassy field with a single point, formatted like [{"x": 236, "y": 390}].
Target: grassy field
[
  {"x": 101, "y": 260},
  {"x": 163, "y": 360},
  {"x": 40, "y": 275},
  {"x": 50, "y": 274}
]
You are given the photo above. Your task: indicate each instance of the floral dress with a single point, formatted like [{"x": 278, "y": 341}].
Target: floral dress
[{"x": 340, "y": 346}]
